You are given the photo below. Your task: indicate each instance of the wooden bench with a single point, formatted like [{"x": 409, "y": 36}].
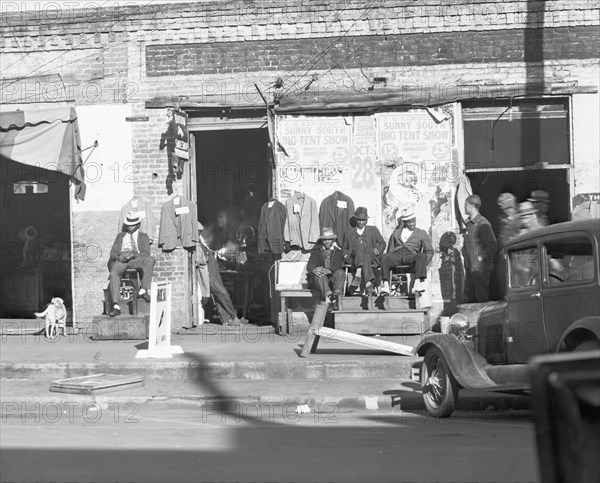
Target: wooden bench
[{"x": 290, "y": 282}]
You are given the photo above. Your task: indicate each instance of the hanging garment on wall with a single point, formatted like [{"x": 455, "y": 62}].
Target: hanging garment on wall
[
  {"x": 270, "y": 227},
  {"x": 143, "y": 209},
  {"x": 302, "y": 223},
  {"x": 463, "y": 190},
  {"x": 178, "y": 224},
  {"x": 335, "y": 212}
]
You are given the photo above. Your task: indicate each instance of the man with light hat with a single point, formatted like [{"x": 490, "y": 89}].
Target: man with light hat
[
  {"x": 541, "y": 201},
  {"x": 324, "y": 271},
  {"x": 131, "y": 250},
  {"x": 408, "y": 245},
  {"x": 480, "y": 247},
  {"x": 362, "y": 245},
  {"x": 528, "y": 217}
]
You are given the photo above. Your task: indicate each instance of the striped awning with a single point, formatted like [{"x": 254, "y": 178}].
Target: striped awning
[{"x": 46, "y": 138}]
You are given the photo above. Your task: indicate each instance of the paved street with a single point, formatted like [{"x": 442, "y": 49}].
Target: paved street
[{"x": 253, "y": 443}]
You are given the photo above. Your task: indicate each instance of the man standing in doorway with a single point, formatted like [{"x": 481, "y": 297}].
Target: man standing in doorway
[
  {"x": 131, "y": 249},
  {"x": 541, "y": 201},
  {"x": 480, "y": 248}
]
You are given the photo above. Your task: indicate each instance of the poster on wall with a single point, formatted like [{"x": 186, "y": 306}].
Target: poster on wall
[
  {"x": 313, "y": 156},
  {"x": 417, "y": 149}
]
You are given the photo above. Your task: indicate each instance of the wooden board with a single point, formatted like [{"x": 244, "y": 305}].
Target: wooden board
[
  {"x": 373, "y": 343},
  {"x": 382, "y": 322},
  {"x": 96, "y": 383}
]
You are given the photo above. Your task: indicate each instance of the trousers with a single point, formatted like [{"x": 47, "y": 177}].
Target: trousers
[
  {"x": 140, "y": 262},
  {"x": 325, "y": 284},
  {"x": 417, "y": 262}
]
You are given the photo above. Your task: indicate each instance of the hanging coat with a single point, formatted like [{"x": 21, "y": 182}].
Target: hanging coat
[
  {"x": 270, "y": 227},
  {"x": 302, "y": 223},
  {"x": 178, "y": 224},
  {"x": 335, "y": 212}
]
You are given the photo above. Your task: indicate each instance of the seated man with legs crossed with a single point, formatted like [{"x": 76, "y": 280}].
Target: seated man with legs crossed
[
  {"x": 362, "y": 246},
  {"x": 131, "y": 249},
  {"x": 408, "y": 245},
  {"x": 324, "y": 270}
]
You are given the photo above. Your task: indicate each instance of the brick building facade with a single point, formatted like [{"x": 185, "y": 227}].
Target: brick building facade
[{"x": 122, "y": 67}]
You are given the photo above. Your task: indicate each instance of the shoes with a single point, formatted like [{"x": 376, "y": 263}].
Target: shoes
[
  {"x": 369, "y": 289},
  {"x": 385, "y": 288},
  {"x": 145, "y": 296},
  {"x": 116, "y": 311},
  {"x": 234, "y": 322},
  {"x": 334, "y": 302},
  {"x": 353, "y": 287}
]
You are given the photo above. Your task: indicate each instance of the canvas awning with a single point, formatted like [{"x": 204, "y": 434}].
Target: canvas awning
[{"x": 47, "y": 138}]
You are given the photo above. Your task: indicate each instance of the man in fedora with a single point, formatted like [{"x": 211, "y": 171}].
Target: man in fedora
[
  {"x": 408, "y": 245},
  {"x": 362, "y": 247},
  {"x": 541, "y": 201},
  {"x": 324, "y": 270},
  {"x": 528, "y": 217},
  {"x": 131, "y": 249},
  {"x": 480, "y": 247}
]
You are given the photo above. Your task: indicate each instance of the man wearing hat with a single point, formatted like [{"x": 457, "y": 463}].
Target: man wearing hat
[
  {"x": 509, "y": 218},
  {"x": 131, "y": 249},
  {"x": 541, "y": 201},
  {"x": 408, "y": 245},
  {"x": 528, "y": 217},
  {"x": 362, "y": 247},
  {"x": 480, "y": 247},
  {"x": 324, "y": 270}
]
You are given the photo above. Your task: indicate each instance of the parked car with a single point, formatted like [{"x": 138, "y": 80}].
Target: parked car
[{"x": 551, "y": 304}]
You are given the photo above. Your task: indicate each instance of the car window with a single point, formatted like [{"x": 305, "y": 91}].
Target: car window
[
  {"x": 569, "y": 259},
  {"x": 524, "y": 267}
]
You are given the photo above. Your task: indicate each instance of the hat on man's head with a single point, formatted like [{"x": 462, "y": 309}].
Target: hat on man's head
[
  {"x": 527, "y": 208},
  {"x": 132, "y": 219},
  {"x": 474, "y": 200},
  {"x": 507, "y": 200},
  {"x": 327, "y": 234},
  {"x": 408, "y": 214},
  {"x": 361, "y": 213},
  {"x": 200, "y": 226},
  {"x": 539, "y": 195}
]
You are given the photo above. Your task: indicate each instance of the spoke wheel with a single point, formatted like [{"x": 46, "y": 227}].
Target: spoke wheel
[{"x": 440, "y": 389}]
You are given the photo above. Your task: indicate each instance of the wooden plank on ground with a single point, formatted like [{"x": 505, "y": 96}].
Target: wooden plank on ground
[
  {"x": 371, "y": 342},
  {"x": 382, "y": 322},
  {"x": 312, "y": 339},
  {"x": 96, "y": 383}
]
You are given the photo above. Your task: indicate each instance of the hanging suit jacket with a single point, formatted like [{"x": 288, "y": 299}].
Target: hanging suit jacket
[
  {"x": 301, "y": 229},
  {"x": 336, "y": 217},
  {"x": 270, "y": 227},
  {"x": 178, "y": 229},
  {"x": 144, "y": 209}
]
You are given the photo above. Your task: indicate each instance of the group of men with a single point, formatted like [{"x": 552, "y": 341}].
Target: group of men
[{"x": 363, "y": 249}]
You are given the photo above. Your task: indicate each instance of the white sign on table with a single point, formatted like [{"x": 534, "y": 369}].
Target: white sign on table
[{"x": 159, "y": 333}]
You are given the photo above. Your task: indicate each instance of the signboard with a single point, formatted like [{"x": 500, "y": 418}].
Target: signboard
[
  {"x": 159, "y": 331},
  {"x": 315, "y": 156},
  {"x": 181, "y": 134}
]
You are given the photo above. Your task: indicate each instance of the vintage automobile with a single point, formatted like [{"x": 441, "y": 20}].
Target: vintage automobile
[{"x": 551, "y": 304}]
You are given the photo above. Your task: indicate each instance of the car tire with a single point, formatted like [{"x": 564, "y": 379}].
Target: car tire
[
  {"x": 440, "y": 389},
  {"x": 588, "y": 345}
]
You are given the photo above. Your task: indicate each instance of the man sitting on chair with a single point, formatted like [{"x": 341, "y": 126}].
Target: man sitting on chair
[
  {"x": 408, "y": 245},
  {"x": 325, "y": 268},
  {"x": 131, "y": 250},
  {"x": 362, "y": 247}
]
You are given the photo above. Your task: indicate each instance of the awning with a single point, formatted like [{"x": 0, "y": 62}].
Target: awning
[{"x": 47, "y": 138}]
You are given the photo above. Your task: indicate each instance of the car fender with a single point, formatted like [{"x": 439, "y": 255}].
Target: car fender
[
  {"x": 467, "y": 366},
  {"x": 583, "y": 329}
]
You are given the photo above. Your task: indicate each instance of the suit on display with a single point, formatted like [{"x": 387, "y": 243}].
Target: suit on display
[
  {"x": 178, "y": 224},
  {"x": 270, "y": 227},
  {"x": 335, "y": 211},
  {"x": 302, "y": 223}
]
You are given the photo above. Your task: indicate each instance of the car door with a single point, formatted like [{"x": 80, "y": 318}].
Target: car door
[
  {"x": 570, "y": 285},
  {"x": 525, "y": 334}
]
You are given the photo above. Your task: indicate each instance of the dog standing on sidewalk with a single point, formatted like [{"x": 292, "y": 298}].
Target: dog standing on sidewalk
[{"x": 56, "y": 317}]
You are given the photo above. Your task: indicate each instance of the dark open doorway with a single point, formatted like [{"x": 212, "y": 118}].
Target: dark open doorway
[{"x": 35, "y": 235}]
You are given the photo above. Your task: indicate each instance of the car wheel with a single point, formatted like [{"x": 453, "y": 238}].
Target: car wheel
[
  {"x": 440, "y": 389},
  {"x": 588, "y": 345}
]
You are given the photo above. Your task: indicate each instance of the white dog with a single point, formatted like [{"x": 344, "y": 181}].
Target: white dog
[{"x": 56, "y": 317}]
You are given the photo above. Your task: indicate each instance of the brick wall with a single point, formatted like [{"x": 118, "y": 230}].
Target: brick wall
[{"x": 220, "y": 49}]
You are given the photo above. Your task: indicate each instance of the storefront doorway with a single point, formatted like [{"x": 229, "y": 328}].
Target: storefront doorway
[{"x": 35, "y": 235}]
